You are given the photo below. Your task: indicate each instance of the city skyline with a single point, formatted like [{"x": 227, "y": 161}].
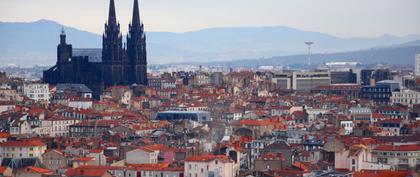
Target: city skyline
[{"x": 362, "y": 19}]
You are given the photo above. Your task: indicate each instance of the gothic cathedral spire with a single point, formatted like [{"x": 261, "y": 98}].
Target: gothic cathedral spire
[
  {"x": 112, "y": 41},
  {"x": 112, "y": 18},
  {"x": 136, "y": 47},
  {"x": 136, "y": 14}
]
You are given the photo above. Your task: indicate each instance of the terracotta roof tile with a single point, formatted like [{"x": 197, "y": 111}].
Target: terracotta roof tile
[{"x": 23, "y": 143}]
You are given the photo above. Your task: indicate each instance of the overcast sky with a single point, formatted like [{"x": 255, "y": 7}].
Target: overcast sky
[{"x": 344, "y": 18}]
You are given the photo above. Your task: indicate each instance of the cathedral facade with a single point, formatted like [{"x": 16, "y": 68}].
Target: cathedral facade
[{"x": 120, "y": 64}]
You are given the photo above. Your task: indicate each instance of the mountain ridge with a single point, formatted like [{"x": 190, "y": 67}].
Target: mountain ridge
[{"x": 210, "y": 44}]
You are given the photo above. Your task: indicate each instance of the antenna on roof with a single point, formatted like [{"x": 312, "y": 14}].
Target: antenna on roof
[{"x": 309, "y": 44}]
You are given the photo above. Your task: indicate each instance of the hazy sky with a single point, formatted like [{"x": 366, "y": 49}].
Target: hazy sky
[{"x": 345, "y": 18}]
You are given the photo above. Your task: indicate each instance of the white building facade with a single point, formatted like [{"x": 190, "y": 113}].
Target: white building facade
[
  {"x": 405, "y": 97},
  {"x": 37, "y": 91}
]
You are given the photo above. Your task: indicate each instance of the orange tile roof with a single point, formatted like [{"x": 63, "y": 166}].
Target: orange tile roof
[
  {"x": 411, "y": 147},
  {"x": 206, "y": 158},
  {"x": 380, "y": 173},
  {"x": 149, "y": 167},
  {"x": 4, "y": 135},
  {"x": 92, "y": 172},
  {"x": 157, "y": 147},
  {"x": 39, "y": 170},
  {"x": 258, "y": 122},
  {"x": 146, "y": 149},
  {"x": 301, "y": 166},
  {"x": 2, "y": 169},
  {"x": 23, "y": 143},
  {"x": 99, "y": 150},
  {"x": 83, "y": 159}
]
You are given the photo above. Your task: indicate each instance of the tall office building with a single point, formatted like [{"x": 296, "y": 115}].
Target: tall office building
[{"x": 305, "y": 81}]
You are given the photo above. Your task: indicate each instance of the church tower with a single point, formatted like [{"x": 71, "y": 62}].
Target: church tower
[
  {"x": 112, "y": 50},
  {"x": 136, "y": 47},
  {"x": 64, "y": 54}
]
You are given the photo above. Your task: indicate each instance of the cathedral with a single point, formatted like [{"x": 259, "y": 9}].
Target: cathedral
[{"x": 120, "y": 64}]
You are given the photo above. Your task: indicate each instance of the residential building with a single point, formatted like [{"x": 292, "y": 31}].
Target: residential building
[
  {"x": 209, "y": 165},
  {"x": 37, "y": 91},
  {"x": 22, "y": 149},
  {"x": 400, "y": 157},
  {"x": 381, "y": 92},
  {"x": 20, "y": 127},
  {"x": 361, "y": 115},
  {"x": 55, "y": 160},
  {"x": 406, "y": 97},
  {"x": 142, "y": 155},
  {"x": 162, "y": 83},
  {"x": 59, "y": 126}
]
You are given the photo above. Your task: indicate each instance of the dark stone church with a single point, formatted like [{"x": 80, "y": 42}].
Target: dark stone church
[{"x": 120, "y": 64}]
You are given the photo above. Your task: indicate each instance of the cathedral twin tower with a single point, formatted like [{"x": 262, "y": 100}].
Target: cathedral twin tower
[{"x": 120, "y": 65}]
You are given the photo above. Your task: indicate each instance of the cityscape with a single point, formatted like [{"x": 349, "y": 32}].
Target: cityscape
[{"x": 215, "y": 102}]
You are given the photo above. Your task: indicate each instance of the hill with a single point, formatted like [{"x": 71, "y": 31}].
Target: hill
[{"x": 34, "y": 43}]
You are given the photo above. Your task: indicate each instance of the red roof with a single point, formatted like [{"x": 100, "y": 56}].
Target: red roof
[
  {"x": 397, "y": 121},
  {"x": 39, "y": 170},
  {"x": 338, "y": 87},
  {"x": 206, "y": 158},
  {"x": 92, "y": 172},
  {"x": 411, "y": 147},
  {"x": 257, "y": 122},
  {"x": 96, "y": 151},
  {"x": 83, "y": 159},
  {"x": 23, "y": 143},
  {"x": 380, "y": 173},
  {"x": 149, "y": 167},
  {"x": 2, "y": 169},
  {"x": 157, "y": 147},
  {"x": 4, "y": 135}
]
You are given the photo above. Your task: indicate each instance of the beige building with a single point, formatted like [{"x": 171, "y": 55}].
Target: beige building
[
  {"x": 20, "y": 127},
  {"x": 399, "y": 157},
  {"x": 54, "y": 160},
  {"x": 98, "y": 154},
  {"x": 37, "y": 92},
  {"x": 22, "y": 149},
  {"x": 210, "y": 165},
  {"x": 352, "y": 158},
  {"x": 405, "y": 97},
  {"x": 58, "y": 126},
  {"x": 309, "y": 80},
  {"x": 142, "y": 155}
]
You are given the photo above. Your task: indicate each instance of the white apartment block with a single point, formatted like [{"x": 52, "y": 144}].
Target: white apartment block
[
  {"x": 206, "y": 166},
  {"x": 22, "y": 149},
  {"x": 405, "y": 97},
  {"x": 37, "y": 91},
  {"x": 309, "y": 80}
]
